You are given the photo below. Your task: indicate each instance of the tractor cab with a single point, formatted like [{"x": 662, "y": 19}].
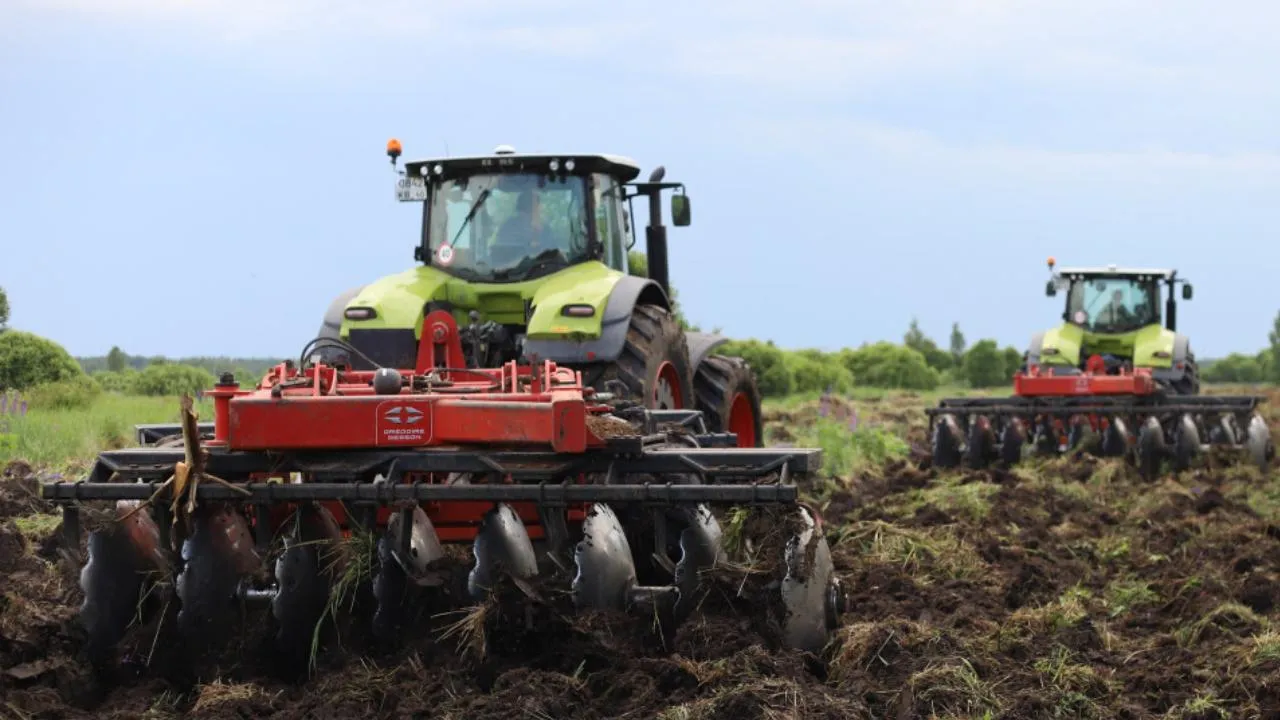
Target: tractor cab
[
  {"x": 508, "y": 217},
  {"x": 1114, "y": 320},
  {"x": 1114, "y": 300}
]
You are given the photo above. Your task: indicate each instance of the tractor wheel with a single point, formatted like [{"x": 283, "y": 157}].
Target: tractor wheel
[
  {"x": 729, "y": 399},
  {"x": 654, "y": 363},
  {"x": 1190, "y": 383}
]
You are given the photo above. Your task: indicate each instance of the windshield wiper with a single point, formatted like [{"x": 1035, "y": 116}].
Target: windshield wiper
[{"x": 484, "y": 195}]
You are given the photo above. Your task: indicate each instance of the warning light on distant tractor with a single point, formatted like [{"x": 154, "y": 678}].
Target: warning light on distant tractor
[
  {"x": 393, "y": 150},
  {"x": 1051, "y": 263}
]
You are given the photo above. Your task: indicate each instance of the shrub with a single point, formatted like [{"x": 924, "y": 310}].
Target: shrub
[
  {"x": 1237, "y": 367},
  {"x": 773, "y": 375},
  {"x": 27, "y": 360},
  {"x": 934, "y": 356},
  {"x": 119, "y": 382},
  {"x": 1012, "y": 362},
  {"x": 77, "y": 393},
  {"x": 172, "y": 379},
  {"x": 886, "y": 365},
  {"x": 815, "y": 371},
  {"x": 984, "y": 365}
]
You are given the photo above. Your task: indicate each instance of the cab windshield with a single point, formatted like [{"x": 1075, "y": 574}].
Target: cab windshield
[
  {"x": 1113, "y": 305},
  {"x": 506, "y": 227}
]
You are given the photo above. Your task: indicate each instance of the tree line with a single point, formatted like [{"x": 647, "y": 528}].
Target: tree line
[
  {"x": 49, "y": 376},
  {"x": 1260, "y": 367}
]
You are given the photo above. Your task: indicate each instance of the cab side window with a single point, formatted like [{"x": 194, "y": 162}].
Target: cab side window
[{"x": 608, "y": 201}]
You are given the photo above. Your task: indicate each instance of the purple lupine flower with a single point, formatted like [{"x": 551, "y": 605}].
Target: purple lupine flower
[
  {"x": 4, "y": 403},
  {"x": 824, "y": 404},
  {"x": 853, "y": 419},
  {"x": 22, "y": 409}
]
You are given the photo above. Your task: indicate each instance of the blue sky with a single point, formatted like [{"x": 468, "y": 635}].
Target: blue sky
[{"x": 201, "y": 177}]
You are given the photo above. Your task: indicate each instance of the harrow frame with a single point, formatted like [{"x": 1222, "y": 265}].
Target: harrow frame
[
  {"x": 497, "y": 457},
  {"x": 1136, "y": 417}
]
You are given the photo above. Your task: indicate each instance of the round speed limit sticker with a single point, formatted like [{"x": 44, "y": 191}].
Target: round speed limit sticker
[{"x": 444, "y": 255}]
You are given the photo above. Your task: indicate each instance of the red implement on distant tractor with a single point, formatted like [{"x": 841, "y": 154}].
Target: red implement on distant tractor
[
  {"x": 541, "y": 475},
  {"x": 1057, "y": 410}
]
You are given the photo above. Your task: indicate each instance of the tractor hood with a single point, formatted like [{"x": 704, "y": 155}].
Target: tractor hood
[
  {"x": 1061, "y": 345},
  {"x": 399, "y": 301},
  {"x": 1151, "y": 346}
]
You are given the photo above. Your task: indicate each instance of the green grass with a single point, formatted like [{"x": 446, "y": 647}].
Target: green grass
[
  {"x": 63, "y": 439},
  {"x": 846, "y": 451},
  {"x": 792, "y": 402}
]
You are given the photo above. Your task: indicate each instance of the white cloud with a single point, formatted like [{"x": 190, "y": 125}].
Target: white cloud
[
  {"x": 816, "y": 45},
  {"x": 841, "y": 137},
  {"x": 1179, "y": 64},
  {"x": 262, "y": 24},
  {"x": 824, "y": 47}
]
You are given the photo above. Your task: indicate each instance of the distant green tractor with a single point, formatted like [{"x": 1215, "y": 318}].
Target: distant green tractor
[
  {"x": 529, "y": 255},
  {"x": 1112, "y": 369},
  {"x": 1114, "y": 313}
]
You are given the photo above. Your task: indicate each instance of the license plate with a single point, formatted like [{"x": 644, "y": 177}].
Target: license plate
[{"x": 411, "y": 189}]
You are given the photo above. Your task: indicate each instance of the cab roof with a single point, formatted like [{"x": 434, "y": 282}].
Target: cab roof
[
  {"x": 505, "y": 159},
  {"x": 1113, "y": 270}
]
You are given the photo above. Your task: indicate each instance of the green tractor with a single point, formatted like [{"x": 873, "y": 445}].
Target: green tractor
[
  {"x": 1114, "y": 313},
  {"x": 1117, "y": 369},
  {"x": 529, "y": 253}
]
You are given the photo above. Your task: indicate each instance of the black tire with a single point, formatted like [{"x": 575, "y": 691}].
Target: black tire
[
  {"x": 1191, "y": 383},
  {"x": 722, "y": 382},
  {"x": 655, "y": 340}
]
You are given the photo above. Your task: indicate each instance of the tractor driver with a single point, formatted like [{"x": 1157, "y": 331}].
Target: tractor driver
[
  {"x": 1118, "y": 310},
  {"x": 518, "y": 233},
  {"x": 522, "y": 234}
]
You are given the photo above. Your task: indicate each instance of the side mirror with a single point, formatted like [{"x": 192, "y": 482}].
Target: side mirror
[
  {"x": 1186, "y": 291},
  {"x": 680, "y": 210},
  {"x": 1050, "y": 289}
]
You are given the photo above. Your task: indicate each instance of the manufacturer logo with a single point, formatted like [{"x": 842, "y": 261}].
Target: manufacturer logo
[
  {"x": 403, "y": 423},
  {"x": 403, "y": 415}
]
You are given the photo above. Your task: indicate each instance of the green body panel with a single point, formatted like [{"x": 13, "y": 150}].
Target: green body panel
[
  {"x": 400, "y": 299},
  {"x": 1140, "y": 345}
]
